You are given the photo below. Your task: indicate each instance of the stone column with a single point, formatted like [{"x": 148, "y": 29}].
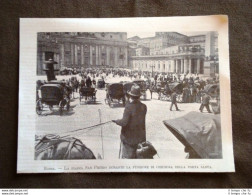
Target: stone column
[
  {"x": 116, "y": 56},
  {"x": 42, "y": 65},
  {"x": 126, "y": 57},
  {"x": 76, "y": 54},
  {"x": 166, "y": 65},
  {"x": 107, "y": 55},
  {"x": 62, "y": 53},
  {"x": 177, "y": 70},
  {"x": 185, "y": 66},
  {"x": 91, "y": 55},
  {"x": 96, "y": 55},
  {"x": 182, "y": 66},
  {"x": 82, "y": 54},
  {"x": 172, "y": 66},
  {"x": 100, "y": 55},
  {"x": 72, "y": 54},
  {"x": 198, "y": 65},
  {"x": 190, "y": 66}
]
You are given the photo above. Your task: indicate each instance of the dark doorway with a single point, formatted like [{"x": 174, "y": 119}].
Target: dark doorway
[{"x": 49, "y": 55}]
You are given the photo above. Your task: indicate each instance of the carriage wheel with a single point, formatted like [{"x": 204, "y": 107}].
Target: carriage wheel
[
  {"x": 39, "y": 107},
  {"x": 94, "y": 97},
  {"x": 123, "y": 100},
  {"x": 109, "y": 103},
  {"x": 68, "y": 106},
  {"x": 50, "y": 107},
  {"x": 61, "y": 107}
]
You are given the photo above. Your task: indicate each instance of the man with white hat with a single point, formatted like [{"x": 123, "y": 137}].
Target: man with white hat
[{"x": 133, "y": 124}]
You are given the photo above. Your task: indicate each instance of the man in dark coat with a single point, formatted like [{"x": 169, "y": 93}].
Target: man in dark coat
[
  {"x": 133, "y": 124},
  {"x": 88, "y": 82},
  {"x": 174, "y": 101},
  {"x": 205, "y": 102}
]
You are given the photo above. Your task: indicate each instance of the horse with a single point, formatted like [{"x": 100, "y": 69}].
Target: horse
[{"x": 74, "y": 84}]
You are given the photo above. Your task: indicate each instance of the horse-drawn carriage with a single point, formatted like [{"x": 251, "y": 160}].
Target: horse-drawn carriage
[
  {"x": 52, "y": 94},
  {"x": 127, "y": 87},
  {"x": 165, "y": 90},
  {"x": 199, "y": 133},
  {"x": 114, "y": 91},
  {"x": 142, "y": 84},
  {"x": 88, "y": 93}
]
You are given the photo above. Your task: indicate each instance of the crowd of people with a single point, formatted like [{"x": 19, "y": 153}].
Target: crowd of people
[{"x": 192, "y": 89}]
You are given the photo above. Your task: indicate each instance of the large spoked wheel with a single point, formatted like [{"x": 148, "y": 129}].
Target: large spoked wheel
[
  {"x": 80, "y": 97},
  {"x": 39, "y": 107},
  {"x": 61, "y": 106},
  {"x": 109, "y": 102},
  {"x": 107, "y": 99},
  {"x": 50, "y": 107},
  {"x": 123, "y": 100},
  {"x": 94, "y": 97}
]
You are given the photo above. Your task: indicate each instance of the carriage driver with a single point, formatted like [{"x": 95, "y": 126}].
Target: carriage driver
[{"x": 133, "y": 124}]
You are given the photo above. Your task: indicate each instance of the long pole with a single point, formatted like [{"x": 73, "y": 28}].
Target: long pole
[{"x": 101, "y": 134}]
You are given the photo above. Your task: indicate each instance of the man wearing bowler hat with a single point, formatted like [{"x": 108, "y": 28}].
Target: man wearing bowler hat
[
  {"x": 133, "y": 124},
  {"x": 205, "y": 102}
]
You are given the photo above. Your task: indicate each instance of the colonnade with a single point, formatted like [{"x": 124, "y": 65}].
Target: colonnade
[
  {"x": 181, "y": 66},
  {"x": 94, "y": 54}
]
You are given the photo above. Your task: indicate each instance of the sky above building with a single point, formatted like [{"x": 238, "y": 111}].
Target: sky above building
[{"x": 152, "y": 34}]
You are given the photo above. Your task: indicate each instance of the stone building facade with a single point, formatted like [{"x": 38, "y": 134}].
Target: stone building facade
[
  {"x": 177, "y": 53},
  {"x": 78, "y": 50},
  {"x": 142, "y": 51}
]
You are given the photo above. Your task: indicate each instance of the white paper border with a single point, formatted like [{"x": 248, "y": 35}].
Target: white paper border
[{"x": 27, "y": 86}]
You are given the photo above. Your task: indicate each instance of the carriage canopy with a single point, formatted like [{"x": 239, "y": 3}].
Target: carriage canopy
[
  {"x": 178, "y": 87},
  {"x": 212, "y": 89},
  {"x": 115, "y": 90},
  {"x": 52, "y": 92},
  {"x": 198, "y": 131}
]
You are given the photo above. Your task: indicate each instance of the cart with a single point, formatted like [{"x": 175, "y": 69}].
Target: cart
[
  {"x": 199, "y": 133},
  {"x": 166, "y": 91},
  {"x": 114, "y": 92},
  {"x": 52, "y": 95},
  {"x": 88, "y": 93}
]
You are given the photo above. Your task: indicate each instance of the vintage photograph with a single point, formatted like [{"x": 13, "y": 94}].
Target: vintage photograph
[
  {"x": 125, "y": 99},
  {"x": 109, "y": 95}
]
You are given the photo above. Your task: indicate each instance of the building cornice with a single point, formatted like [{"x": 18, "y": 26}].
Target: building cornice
[{"x": 170, "y": 56}]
